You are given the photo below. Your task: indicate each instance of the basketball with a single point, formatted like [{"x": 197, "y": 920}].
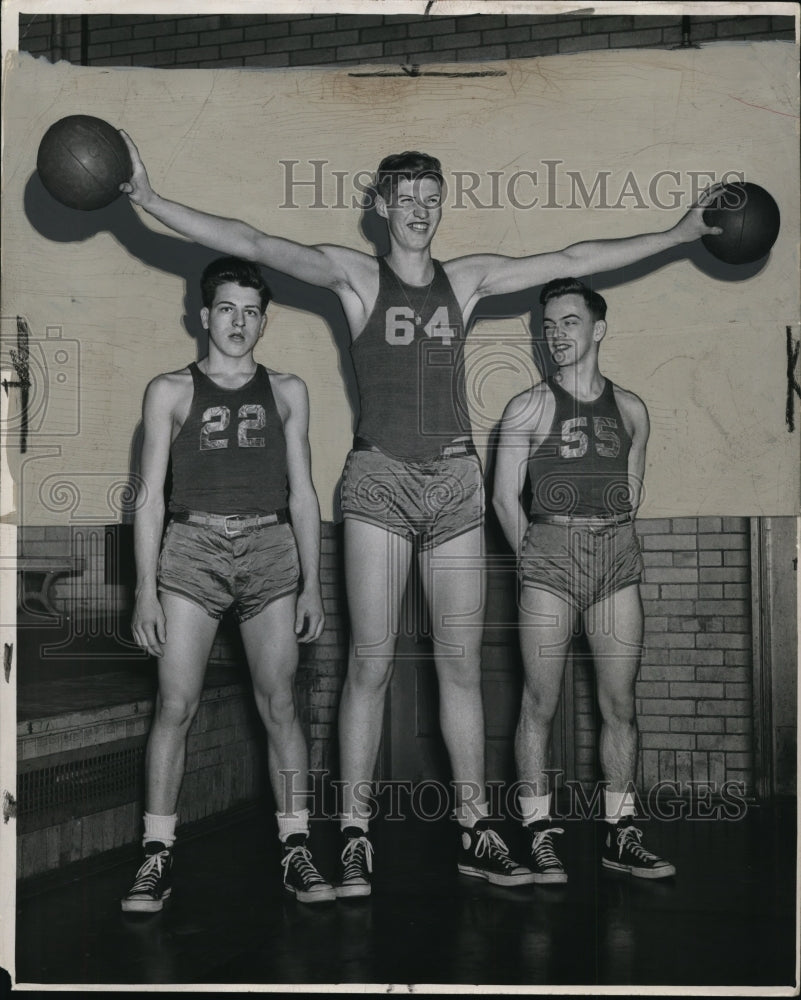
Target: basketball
[
  {"x": 82, "y": 161},
  {"x": 749, "y": 218}
]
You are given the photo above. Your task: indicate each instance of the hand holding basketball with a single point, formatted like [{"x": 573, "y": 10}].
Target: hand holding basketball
[
  {"x": 747, "y": 221},
  {"x": 138, "y": 186},
  {"x": 694, "y": 225}
]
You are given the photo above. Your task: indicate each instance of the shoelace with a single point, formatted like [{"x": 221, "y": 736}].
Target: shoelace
[
  {"x": 489, "y": 842},
  {"x": 633, "y": 834},
  {"x": 542, "y": 848},
  {"x": 150, "y": 872},
  {"x": 300, "y": 858},
  {"x": 351, "y": 862}
]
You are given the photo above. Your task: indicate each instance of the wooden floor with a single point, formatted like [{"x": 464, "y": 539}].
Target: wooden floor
[{"x": 728, "y": 918}]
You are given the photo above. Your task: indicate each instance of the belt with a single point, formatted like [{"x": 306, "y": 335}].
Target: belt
[
  {"x": 454, "y": 450},
  {"x": 586, "y": 521},
  {"x": 231, "y": 524}
]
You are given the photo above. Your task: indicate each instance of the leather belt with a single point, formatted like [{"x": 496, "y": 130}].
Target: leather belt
[
  {"x": 454, "y": 450},
  {"x": 583, "y": 521},
  {"x": 231, "y": 524}
]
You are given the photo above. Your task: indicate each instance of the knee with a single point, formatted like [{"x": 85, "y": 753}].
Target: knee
[
  {"x": 175, "y": 712},
  {"x": 539, "y": 703},
  {"x": 277, "y": 707},
  {"x": 459, "y": 673},
  {"x": 617, "y": 708},
  {"x": 368, "y": 673}
]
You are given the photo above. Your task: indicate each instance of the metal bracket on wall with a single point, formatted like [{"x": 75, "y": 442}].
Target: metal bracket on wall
[
  {"x": 793, "y": 386},
  {"x": 413, "y": 70},
  {"x": 686, "y": 42},
  {"x": 20, "y": 359}
]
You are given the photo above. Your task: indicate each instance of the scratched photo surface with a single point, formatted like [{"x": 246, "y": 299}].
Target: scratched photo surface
[{"x": 538, "y": 152}]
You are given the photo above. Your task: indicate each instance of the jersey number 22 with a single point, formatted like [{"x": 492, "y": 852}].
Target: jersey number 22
[{"x": 250, "y": 417}]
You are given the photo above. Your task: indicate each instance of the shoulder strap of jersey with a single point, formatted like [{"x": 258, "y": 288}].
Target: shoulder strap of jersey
[
  {"x": 197, "y": 374},
  {"x": 556, "y": 389},
  {"x": 266, "y": 386}
]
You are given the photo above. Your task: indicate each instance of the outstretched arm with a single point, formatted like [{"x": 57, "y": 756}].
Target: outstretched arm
[
  {"x": 293, "y": 401},
  {"x": 492, "y": 274},
  {"x": 326, "y": 266}
]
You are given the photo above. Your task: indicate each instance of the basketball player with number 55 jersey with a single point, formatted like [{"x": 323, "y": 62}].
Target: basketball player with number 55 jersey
[
  {"x": 412, "y": 487},
  {"x": 580, "y": 440}
]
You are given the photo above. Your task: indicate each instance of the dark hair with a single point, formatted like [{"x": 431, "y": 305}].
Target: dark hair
[
  {"x": 409, "y": 165},
  {"x": 238, "y": 272},
  {"x": 572, "y": 286}
]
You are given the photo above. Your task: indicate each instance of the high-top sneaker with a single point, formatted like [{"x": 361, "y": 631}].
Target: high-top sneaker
[
  {"x": 301, "y": 878},
  {"x": 357, "y": 863},
  {"x": 153, "y": 882},
  {"x": 484, "y": 854},
  {"x": 545, "y": 864},
  {"x": 623, "y": 852}
]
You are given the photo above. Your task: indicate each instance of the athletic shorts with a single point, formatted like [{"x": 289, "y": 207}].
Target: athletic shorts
[
  {"x": 425, "y": 502},
  {"x": 579, "y": 563},
  {"x": 216, "y": 571}
]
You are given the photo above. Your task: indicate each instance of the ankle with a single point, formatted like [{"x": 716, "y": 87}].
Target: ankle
[{"x": 158, "y": 828}]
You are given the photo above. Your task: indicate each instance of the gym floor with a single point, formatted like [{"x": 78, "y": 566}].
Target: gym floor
[{"x": 728, "y": 918}]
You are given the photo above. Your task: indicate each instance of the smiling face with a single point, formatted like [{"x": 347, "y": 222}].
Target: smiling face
[
  {"x": 413, "y": 211},
  {"x": 570, "y": 331},
  {"x": 235, "y": 320}
]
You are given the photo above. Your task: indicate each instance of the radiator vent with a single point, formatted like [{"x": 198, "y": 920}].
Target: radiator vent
[{"x": 76, "y": 783}]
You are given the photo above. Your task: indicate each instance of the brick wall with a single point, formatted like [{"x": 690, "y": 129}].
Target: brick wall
[
  {"x": 323, "y": 663},
  {"x": 232, "y": 40},
  {"x": 694, "y": 696}
]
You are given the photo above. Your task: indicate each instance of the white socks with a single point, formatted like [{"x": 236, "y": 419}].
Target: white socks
[
  {"x": 289, "y": 823},
  {"x": 160, "y": 828},
  {"x": 534, "y": 808},
  {"x": 618, "y": 805},
  {"x": 469, "y": 813},
  {"x": 355, "y": 818}
]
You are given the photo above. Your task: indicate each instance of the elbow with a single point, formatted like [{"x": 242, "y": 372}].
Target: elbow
[
  {"x": 303, "y": 505},
  {"x": 500, "y": 505},
  {"x": 150, "y": 508},
  {"x": 573, "y": 261},
  {"x": 249, "y": 244}
]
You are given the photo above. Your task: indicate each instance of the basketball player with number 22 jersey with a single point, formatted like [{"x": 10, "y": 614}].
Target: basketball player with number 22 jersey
[{"x": 244, "y": 535}]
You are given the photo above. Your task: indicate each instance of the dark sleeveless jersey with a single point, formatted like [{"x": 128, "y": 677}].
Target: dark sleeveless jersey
[
  {"x": 409, "y": 363},
  {"x": 582, "y": 465},
  {"x": 230, "y": 455}
]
